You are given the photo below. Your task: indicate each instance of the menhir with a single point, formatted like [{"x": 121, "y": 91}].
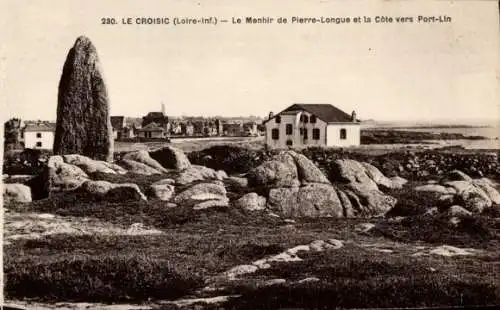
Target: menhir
[{"x": 83, "y": 120}]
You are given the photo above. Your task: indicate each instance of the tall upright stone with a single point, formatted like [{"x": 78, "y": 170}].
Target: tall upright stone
[{"x": 83, "y": 118}]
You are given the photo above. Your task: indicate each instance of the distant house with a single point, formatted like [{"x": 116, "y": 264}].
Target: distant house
[
  {"x": 187, "y": 128},
  {"x": 39, "y": 135},
  {"x": 312, "y": 125},
  {"x": 159, "y": 118},
  {"x": 233, "y": 129},
  {"x": 151, "y": 130},
  {"x": 250, "y": 129}
]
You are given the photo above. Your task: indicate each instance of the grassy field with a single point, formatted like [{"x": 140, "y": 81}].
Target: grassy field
[
  {"x": 390, "y": 265},
  {"x": 81, "y": 249}
]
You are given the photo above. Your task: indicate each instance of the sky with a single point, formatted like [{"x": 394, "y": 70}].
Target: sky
[{"x": 383, "y": 71}]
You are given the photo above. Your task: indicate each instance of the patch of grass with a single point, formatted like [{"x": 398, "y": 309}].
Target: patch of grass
[
  {"x": 356, "y": 277},
  {"x": 413, "y": 291},
  {"x": 472, "y": 231},
  {"x": 96, "y": 278}
]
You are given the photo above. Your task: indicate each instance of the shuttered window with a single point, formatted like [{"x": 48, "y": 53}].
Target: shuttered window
[{"x": 316, "y": 134}]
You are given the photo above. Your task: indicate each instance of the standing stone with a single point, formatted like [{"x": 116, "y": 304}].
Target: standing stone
[{"x": 83, "y": 121}]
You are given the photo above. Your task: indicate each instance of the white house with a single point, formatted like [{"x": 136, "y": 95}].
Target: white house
[
  {"x": 152, "y": 130},
  {"x": 39, "y": 135},
  {"x": 302, "y": 125}
]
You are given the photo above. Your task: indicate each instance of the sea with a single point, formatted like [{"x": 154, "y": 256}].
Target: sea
[{"x": 490, "y": 131}]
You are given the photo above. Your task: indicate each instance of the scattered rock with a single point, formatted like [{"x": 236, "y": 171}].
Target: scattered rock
[
  {"x": 59, "y": 176},
  {"x": 138, "y": 168},
  {"x": 201, "y": 192},
  {"x": 251, "y": 202},
  {"x": 470, "y": 196},
  {"x": 197, "y": 173},
  {"x": 488, "y": 187},
  {"x": 218, "y": 203},
  {"x": 458, "y": 211},
  {"x": 380, "y": 179},
  {"x": 143, "y": 157},
  {"x": 447, "y": 250},
  {"x": 83, "y": 120},
  {"x": 272, "y": 282},
  {"x": 439, "y": 189},
  {"x": 171, "y": 158},
  {"x": 112, "y": 191},
  {"x": 364, "y": 227},
  {"x": 308, "y": 280},
  {"x": 16, "y": 192},
  {"x": 89, "y": 165},
  {"x": 162, "y": 190}
]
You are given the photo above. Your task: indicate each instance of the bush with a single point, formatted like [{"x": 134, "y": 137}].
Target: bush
[
  {"x": 231, "y": 159},
  {"x": 108, "y": 278}
]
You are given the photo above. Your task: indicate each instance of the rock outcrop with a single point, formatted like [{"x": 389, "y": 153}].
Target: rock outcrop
[
  {"x": 83, "y": 120},
  {"x": 251, "y": 202},
  {"x": 297, "y": 188},
  {"x": 89, "y": 165},
  {"x": 361, "y": 184},
  {"x": 59, "y": 176},
  {"x": 163, "y": 190},
  {"x": 143, "y": 157},
  {"x": 171, "y": 158},
  {"x": 202, "y": 196},
  {"x": 457, "y": 188},
  {"x": 16, "y": 192},
  {"x": 199, "y": 173},
  {"x": 137, "y": 167},
  {"x": 111, "y": 191},
  {"x": 312, "y": 200}
]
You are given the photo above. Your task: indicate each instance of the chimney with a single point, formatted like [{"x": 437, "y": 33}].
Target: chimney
[
  {"x": 162, "y": 108},
  {"x": 353, "y": 116},
  {"x": 271, "y": 115}
]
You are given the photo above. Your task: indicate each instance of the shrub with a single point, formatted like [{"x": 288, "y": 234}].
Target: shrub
[
  {"x": 232, "y": 159},
  {"x": 107, "y": 278}
]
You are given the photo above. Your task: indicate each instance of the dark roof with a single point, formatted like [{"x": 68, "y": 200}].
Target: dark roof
[
  {"x": 41, "y": 126},
  {"x": 117, "y": 122},
  {"x": 155, "y": 114},
  {"x": 325, "y": 112}
]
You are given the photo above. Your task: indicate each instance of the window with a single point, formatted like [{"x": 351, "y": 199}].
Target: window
[
  {"x": 343, "y": 134},
  {"x": 301, "y": 131},
  {"x": 38, "y": 134},
  {"x": 313, "y": 119},
  {"x": 316, "y": 134},
  {"x": 277, "y": 119},
  {"x": 289, "y": 142},
  {"x": 305, "y": 133},
  {"x": 289, "y": 129},
  {"x": 275, "y": 133},
  {"x": 39, "y": 144},
  {"x": 305, "y": 119}
]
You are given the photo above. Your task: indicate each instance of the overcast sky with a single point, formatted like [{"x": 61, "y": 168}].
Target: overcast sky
[{"x": 383, "y": 71}]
